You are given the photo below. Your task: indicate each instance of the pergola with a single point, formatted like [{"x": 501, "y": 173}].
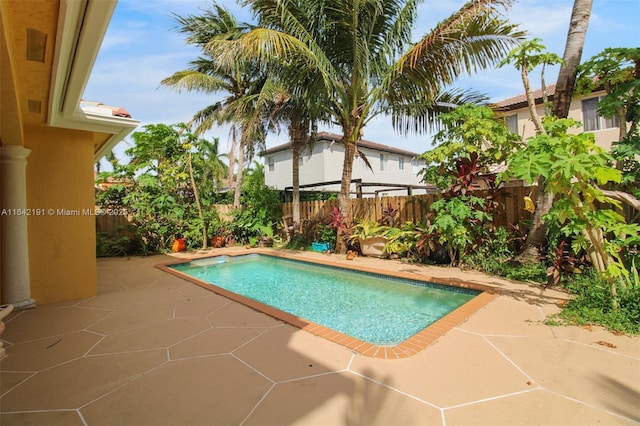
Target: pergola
[{"x": 360, "y": 185}]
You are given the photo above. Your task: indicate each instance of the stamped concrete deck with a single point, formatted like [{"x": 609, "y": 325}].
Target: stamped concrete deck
[{"x": 153, "y": 349}]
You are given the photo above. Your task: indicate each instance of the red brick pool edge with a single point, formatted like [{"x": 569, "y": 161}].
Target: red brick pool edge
[{"x": 413, "y": 345}]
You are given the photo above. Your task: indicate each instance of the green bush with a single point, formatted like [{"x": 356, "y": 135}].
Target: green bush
[
  {"x": 107, "y": 246},
  {"x": 592, "y": 305}
]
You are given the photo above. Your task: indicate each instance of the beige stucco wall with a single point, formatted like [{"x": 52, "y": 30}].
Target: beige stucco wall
[
  {"x": 526, "y": 129},
  {"x": 61, "y": 246}
]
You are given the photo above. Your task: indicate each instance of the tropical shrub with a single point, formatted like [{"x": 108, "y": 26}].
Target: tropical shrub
[
  {"x": 573, "y": 166},
  {"x": 459, "y": 224},
  {"x": 166, "y": 187}
]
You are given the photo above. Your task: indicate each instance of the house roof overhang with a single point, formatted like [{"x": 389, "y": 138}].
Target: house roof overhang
[
  {"x": 332, "y": 137},
  {"x": 49, "y": 48},
  {"x": 81, "y": 29}
]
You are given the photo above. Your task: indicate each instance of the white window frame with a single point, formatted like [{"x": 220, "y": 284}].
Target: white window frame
[
  {"x": 511, "y": 122},
  {"x": 271, "y": 165},
  {"x": 591, "y": 120},
  {"x": 383, "y": 162},
  {"x": 400, "y": 163}
]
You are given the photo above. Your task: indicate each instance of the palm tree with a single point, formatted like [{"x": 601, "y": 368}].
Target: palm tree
[
  {"x": 366, "y": 65},
  {"x": 210, "y": 162},
  {"x": 565, "y": 84},
  {"x": 241, "y": 80},
  {"x": 300, "y": 111}
]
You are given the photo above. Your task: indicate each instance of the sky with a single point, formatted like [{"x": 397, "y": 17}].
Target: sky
[{"x": 142, "y": 46}]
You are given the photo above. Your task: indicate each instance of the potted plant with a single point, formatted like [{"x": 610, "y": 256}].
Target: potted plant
[
  {"x": 370, "y": 236},
  {"x": 219, "y": 233},
  {"x": 324, "y": 238}
]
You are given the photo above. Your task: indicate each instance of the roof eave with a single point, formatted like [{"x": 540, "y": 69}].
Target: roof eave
[{"x": 81, "y": 28}]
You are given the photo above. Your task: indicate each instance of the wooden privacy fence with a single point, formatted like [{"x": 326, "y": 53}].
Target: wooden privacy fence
[
  {"x": 413, "y": 208},
  {"x": 114, "y": 226}
]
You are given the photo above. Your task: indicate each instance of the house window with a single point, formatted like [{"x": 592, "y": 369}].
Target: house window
[
  {"x": 591, "y": 120},
  {"x": 415, "y": 165},
  {"x": 271, "y": 164},
  {"x": 401, "y": 163},
  {"x": 300, "y": 161},
  {"x": 512, "y": 123},
  {"x": 383, "y": 162}
]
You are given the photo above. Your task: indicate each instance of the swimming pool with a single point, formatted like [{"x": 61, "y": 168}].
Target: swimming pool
[{"x": 378, "y": 309}]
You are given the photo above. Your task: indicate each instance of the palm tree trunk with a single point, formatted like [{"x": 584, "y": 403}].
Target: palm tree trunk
[
  {"x": 561, "y": 103},
  {"x": 232, "y": 157},
  {"x": 344, "y": 199},
  {"x": 198, "y": 205},
  {"x": 572, "y": 55},
  {"x": 295, "y": 149},
  {"x": 238, "y": 183}
]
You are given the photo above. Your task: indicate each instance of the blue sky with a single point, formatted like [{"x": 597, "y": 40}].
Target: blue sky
[{"x": 142, "y": 47}]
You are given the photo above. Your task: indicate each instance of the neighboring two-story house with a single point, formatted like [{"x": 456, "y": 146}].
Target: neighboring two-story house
[
  {"x": 584, "y": 109},
  {"x": 393, "y": 171}
]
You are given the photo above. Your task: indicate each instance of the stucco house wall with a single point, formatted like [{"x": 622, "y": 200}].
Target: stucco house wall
[
  {"x": 517, "y": 105},
  {"x": 62, "y": 241},
  {"x": 48, "y": 146},
  {"x": 323, "y": 163}
]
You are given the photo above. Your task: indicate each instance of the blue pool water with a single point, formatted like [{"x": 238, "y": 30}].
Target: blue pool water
[{"x": 378, "y": 309}]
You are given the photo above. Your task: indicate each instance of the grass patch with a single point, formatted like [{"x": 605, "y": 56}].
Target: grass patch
[{"x": 591, "y": 304}]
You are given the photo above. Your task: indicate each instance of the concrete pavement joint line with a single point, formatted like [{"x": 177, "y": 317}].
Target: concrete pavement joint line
[
  {"x": 129, "y": 380},
  {"x": 524, "y": 373},
  {"x": 109, "y": 315},
  {"x": 255, "y": 407},
  {"x": 479, "y": 334},
  {"x": 326, "y": 373},
  {"x": 88, "y": 352},
  {"x": 493, "y": 398},
  {"x": 600, "y": 348},
  {"x": 253, "y": 368},
  {"x": 120, "y": 353},
  {"x": 401, "y": 392},
  {"x": 226, "y": 302},
  {"x": 353, "y": 357},
  {"x": 190, "y": 337},
  {"x": 595, "y": 407},
  {"x": 200, "y": 357},
  {"x": 53, "y": 410},
  {"x": 18, "y": 384},
  {"x": 82, "y": 419},
  {"x": 250, "y": 340},
  {"x": 53, "y": 336}
]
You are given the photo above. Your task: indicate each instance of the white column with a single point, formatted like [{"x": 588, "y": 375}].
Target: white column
[{"x": 16, "y": 288}]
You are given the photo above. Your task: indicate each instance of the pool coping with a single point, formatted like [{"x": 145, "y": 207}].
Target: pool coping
[{"x": 409, "y": 347}]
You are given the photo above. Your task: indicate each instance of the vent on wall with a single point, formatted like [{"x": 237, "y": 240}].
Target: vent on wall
[
  {"x": 34, "y": 106},
  {"x": 36, "y": 45}
]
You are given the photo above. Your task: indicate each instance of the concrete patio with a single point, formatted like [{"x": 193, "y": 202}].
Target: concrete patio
[{"x": 153, "y": 349}]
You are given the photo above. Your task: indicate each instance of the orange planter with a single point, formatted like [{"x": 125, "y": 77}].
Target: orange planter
[
  {"x": 179, "y": 245},
  {"x": 218, "y": 241}
]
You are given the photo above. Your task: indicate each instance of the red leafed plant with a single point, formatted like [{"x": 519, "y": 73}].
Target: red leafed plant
[
  {"x": 563, "y": 263},
  {"x": 339, "y": 222},
  {"x": 467, "y": 172}
]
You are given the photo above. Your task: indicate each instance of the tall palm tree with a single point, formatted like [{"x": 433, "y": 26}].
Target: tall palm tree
[
  {"x": 241, "y": 80},
  {"x": 565, "y": 85},
  {"x": 300, "y": 112},
  {"x": 367, "y": 65}
]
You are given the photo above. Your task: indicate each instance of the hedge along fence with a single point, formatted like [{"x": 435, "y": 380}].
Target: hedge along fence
[{"x": 414, "y": 208}]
